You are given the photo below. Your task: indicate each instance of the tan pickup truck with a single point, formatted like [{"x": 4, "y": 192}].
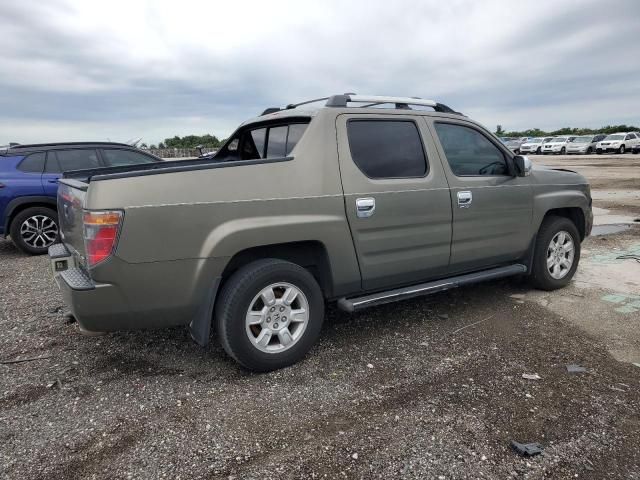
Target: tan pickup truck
[{"x": 363, "y": 200}]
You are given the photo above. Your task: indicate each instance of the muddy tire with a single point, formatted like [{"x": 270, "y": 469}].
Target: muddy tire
[
  {"x": 556, "y": 254},
  {"x": 269, "y": 314}
]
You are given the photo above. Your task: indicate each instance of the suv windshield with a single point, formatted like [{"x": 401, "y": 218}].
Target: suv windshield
[
  {"x": 559, "y": 139},
  {"x": 534, "y": 140},
  {"x": 582, "y": 140},
  {"x": 615, "y": 137}
]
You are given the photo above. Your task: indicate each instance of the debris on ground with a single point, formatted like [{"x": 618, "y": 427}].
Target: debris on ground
[
  {"x": 531, "y": 376},
  {"x": 526, "y": 449},
  {"x": 573, "y": 368}
]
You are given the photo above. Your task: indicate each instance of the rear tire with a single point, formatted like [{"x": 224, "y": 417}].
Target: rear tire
[
  {"x": 556, "y": 255},
  {"x": 35, "y": 229},
  {"x": 252, "y": 323}
]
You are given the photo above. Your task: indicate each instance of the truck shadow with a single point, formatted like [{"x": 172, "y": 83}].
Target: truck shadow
[{"x": 172, "y": 352}]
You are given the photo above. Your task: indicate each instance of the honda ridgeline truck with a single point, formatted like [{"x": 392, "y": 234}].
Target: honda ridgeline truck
[{"x": 365, "y": 200}]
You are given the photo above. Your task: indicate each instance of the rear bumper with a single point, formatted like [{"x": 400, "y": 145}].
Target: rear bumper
[
  {"x": 126, "y": 296},
  {"x": 98, "y": 307}
]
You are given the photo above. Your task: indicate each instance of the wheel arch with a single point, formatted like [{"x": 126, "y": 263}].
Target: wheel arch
[
  {"x": 575, "y": 214},
  {"x": 310, "y": 254},
  {"x": 19, "y": 204}
]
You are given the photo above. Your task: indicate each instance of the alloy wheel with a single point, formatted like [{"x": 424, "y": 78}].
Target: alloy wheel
[
  {"x": 39, "y": 231},
  {"x": 560, "y": 255},
  {"x": 277, "y": 317}
]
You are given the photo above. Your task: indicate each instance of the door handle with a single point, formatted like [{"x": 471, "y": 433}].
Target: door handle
[
  {"x": 464, "y": 199},
  {"x": 365, "y": 207}
]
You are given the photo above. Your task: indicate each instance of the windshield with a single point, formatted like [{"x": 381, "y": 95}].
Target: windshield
[
  {"x": 534, "y": 140},
  {"x": 582, "y": 140},
  {"x": 615, "y": 137},
  {"x": 559, "y": 139}
]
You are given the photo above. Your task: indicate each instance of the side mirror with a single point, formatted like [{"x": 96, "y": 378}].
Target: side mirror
[{"x": 523, "y": 165}]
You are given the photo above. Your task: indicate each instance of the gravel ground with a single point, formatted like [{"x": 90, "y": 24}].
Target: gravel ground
[
  {"x": 403, "y": 390},
  {"x": 430, "y": 388}
]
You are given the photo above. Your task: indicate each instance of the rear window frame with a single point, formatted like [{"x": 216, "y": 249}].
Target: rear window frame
[{"x": 390, "y": 119}]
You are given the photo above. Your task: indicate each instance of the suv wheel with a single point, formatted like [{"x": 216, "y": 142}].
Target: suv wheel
[
  {"x": 621, "y": 149},
  {"x": 35, "y": 229},
  {"x": 589, "y": 151},
  {"x": 563, "y": 151},
  {"x": 269, "y": 314},
  {"x": 556, "y": 255}
]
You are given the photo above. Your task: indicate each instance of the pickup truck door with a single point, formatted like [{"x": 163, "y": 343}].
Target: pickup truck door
[
  {"x": 396, "y": 198},
  {"x": 492, "y": 208}
]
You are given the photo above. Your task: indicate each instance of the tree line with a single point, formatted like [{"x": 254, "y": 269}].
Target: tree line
[
  {"x": 536, "y": 132},
  {"x": 188, "y": 141}
]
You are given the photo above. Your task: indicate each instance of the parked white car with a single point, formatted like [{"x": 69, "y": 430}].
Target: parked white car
[
  {"x": 618, "y": 143},
  {"x": 557, "y": 145},
  {"x": 534, "y": 145},
  {"x": 585, "y": 144}
]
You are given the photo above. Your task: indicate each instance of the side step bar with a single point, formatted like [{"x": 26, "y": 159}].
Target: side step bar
[{"x": 359, "y": 303}]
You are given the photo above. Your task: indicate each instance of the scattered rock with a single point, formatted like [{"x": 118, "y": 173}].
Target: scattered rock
[
  {"x": 354, "y": 456},
  {"x": 531, "y": 376},
  {"x": 369, "y": 365},
  {"x": 573, "y": 368}
]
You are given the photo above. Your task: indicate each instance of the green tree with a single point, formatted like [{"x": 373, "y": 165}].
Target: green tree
[{"x": 499, "y": 131}]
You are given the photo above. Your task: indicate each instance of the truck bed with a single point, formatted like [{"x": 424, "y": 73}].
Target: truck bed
[{"x": 105, "y": 173}]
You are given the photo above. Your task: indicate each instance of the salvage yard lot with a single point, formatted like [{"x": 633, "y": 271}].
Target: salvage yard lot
[{"x": 426, "y": 388}]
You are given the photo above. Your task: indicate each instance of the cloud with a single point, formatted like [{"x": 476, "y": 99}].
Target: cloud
[{"x": 74, "y": 70}]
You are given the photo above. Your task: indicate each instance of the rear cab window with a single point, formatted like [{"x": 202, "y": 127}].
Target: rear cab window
[{"x": 384, "y": 148}]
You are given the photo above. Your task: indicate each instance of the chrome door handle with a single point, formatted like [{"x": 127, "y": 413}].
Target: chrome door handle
[
  {"x": 365, "y": 207},
  {"x": 464, "y": 199}
]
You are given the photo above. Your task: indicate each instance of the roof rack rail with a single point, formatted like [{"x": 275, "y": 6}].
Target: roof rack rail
[
  {"x": 400, "y": 102},
  {"x": 344, "y": 99}
]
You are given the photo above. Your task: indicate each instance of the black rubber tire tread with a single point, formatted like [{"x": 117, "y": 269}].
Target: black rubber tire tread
[
  {"x": 14, "y": 228},
  {"x": 540, "y": 276},
  {"x": 232, "y": 303}
]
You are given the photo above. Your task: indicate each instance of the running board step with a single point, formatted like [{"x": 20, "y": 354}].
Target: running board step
[{"x": 359, "y": 303}]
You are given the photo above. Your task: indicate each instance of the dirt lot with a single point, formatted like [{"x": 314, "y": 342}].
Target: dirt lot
[{"x": 430, "y": 388}]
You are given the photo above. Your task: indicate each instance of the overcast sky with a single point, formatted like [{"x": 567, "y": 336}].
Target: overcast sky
[{"x": 89, "y": 70}]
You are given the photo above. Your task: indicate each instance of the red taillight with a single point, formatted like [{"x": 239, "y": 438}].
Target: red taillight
[{"x": 100, "y": 234}]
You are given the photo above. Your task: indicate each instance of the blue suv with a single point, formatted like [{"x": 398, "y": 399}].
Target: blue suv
[{"x": 29, "y": 183}]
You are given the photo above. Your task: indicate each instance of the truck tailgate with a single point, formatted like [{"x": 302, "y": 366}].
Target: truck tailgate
[{"x": 71, "y": 195}]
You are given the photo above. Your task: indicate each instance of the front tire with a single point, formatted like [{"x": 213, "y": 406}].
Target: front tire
[
  {"x": 556, "y": 254},
  {"x": 34, "y": 230},
  {"x": 621, "y": 150},
  {"x": 538, "y": 151},
  {"x": 269, "y": 314},
  {"x": 563, "y": 151}
]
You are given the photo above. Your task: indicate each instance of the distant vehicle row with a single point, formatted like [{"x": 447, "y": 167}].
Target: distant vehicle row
[{"x": 570, "y": 144}]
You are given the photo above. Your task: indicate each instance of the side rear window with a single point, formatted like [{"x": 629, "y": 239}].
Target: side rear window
[
  {"x": 469, "y": 152},
  {"x": 264, "y": 142},
  {"x": 33, "y": 163},
  {"x": 68, "y": 160},
  {"x": 114, "y": 157},
  {"x": 277, "y": 142},
  {"x": 387, "y": 148}
]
